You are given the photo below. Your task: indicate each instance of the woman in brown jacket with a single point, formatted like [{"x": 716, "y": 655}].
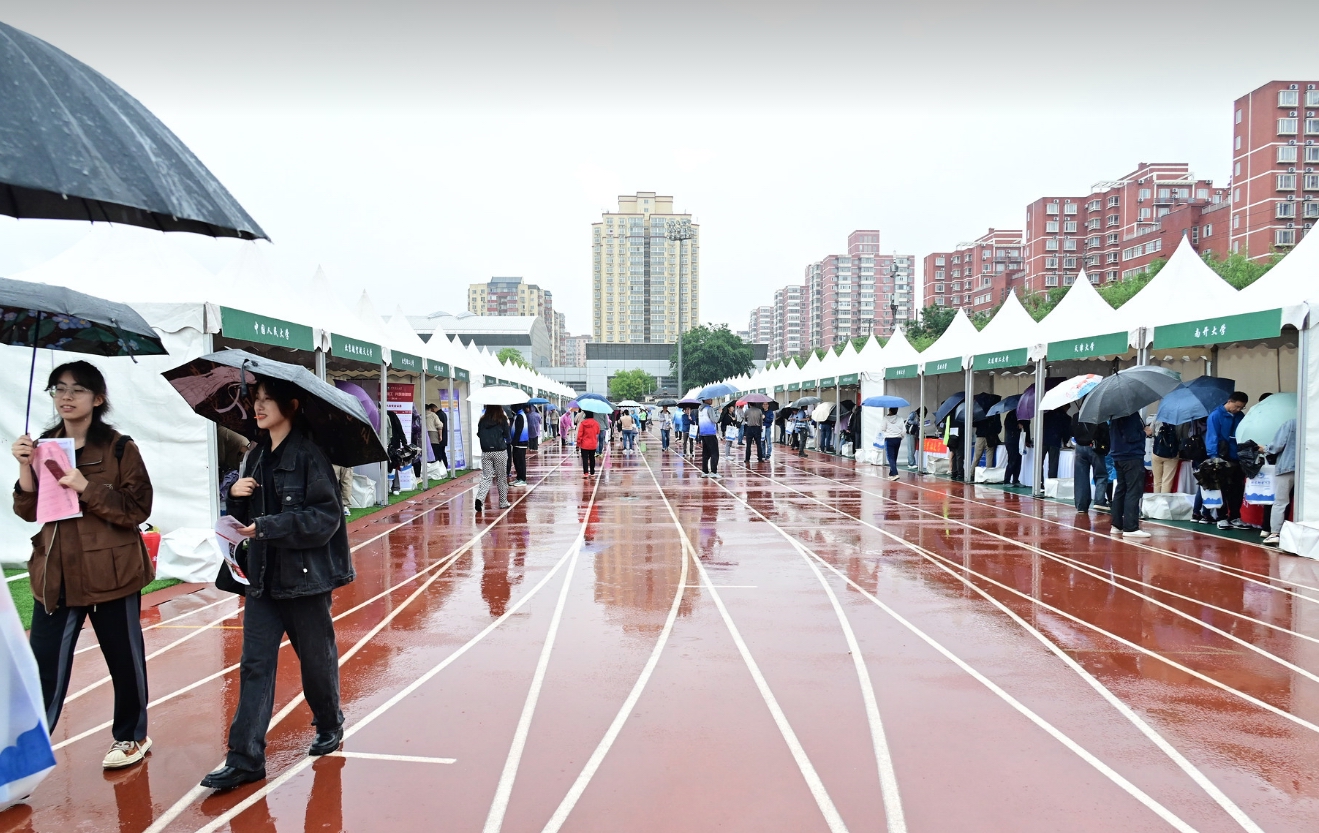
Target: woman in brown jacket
[{"x": 95, "y": 565}]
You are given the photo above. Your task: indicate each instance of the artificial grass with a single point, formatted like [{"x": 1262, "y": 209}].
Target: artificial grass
[
  {"x": 21, "y": 591},
  {"x": 354, "y": 514}
]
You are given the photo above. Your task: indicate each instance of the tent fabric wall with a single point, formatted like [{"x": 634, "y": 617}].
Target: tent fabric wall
[{"x": 1302, "y": 537}]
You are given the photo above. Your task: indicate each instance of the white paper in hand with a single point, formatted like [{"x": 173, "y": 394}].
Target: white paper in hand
[{"x": 227, "y": 535}]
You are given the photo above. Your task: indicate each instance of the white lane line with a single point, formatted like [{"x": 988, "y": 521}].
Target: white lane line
[
  {"x": 439, "y": 567},
  {"x": 888, "y": 778},
  {"x": 727, "y": 586},
  {"x": 579, "y": 786},
  {"x": 407, "y": 759},
  {"x": 406, "y": 691},
  {"x": 494, "y": 819},
  {"x": 1097, "y": 573},
  {"x": 15, "y": 577},
  {"x": 1251, "y": 576},
  {"x": 812, "y": 778},
  {"x": 92, "y": 646},
  {"x": 1103, "y": 768}
]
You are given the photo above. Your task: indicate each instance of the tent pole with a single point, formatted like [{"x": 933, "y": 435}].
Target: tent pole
[
  {"x": 1037, "y": 432},
  {"x": 212, "y": 440},
  {"x": 1303, "y": 347},
  {"x": 425, "y": 437},
  {"x": 920, "y": 430},
  {"x": 838, "y": 446},
  {"x": 448, "y": 434},
  {"x": 968, "y": 428},
  {"x": 382, "y": 490},
  {"x": 320, "y": 365}
]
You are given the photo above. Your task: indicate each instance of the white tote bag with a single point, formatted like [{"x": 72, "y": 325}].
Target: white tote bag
[
  {"x": 1212, "y": 498},
  {"x": 1260, "y": 489},
  {"x": 23, "y": 734}
]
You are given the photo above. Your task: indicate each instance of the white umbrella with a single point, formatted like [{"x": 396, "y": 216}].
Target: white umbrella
[
  {"x": 822, "y": 411},
  {"x": 499, "y": 395},
  {"x": 1070, "y": 391},
  {"x": 628, "y": 403}
]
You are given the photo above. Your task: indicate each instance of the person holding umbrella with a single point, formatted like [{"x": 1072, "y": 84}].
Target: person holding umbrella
[
  {"x": 891, "y": 430},
  {"x": 666, "y": 428},
  {"x": 708, "y": 429},
  {"x": 297, "y": 554},
  {"x": 588, "y": 443},
  {"x": 519, "y": 438},
  {"x": 1127, "y": 442},
  {"x": 801, "y": 426},
  {"x": 566, "y": 428},
  {"x": 115, "y": 494},
  {"x": 493, "y": 434},
  {"x": 754, "y": 422}
]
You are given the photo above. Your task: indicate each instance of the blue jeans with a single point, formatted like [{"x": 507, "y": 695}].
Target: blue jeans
[
  {"x": 664, "y": 439},
  {"x": 629, "y": 439},
  {"x": 891, "y": 446},
  {"x": 912, "y": 442},
  {"x": 826, "y": 437},
  {"x": 1085, "y": 463}
]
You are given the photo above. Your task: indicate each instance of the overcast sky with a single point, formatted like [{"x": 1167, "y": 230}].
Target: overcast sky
[{"x": 413, "y": 148}]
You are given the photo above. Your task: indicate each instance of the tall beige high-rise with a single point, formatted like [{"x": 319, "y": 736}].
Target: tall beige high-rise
[{"x": 639, "y": 276}]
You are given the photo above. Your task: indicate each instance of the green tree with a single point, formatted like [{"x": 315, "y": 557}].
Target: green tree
[
  {"x": 631, "y": 384},
  {"x": 512, "y": 355},
  {"x": 1040, "y": 304},
  {"x": 710, "y": 354},
  {"x": 1119, "y": 292},
  {"x": 1239, "y": 270}
]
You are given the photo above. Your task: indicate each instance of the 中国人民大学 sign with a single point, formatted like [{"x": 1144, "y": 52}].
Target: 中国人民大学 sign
[
  {"x": 262, "y": 329},
  {"x": 996, "y": 361},
  {"x": 405, "y": 361},
  {"x": 1109, "y": 344},
  {"x": 1250, "y": 326},
  {"x": 906, "y": 371},
  {"x": 351, "y": 348},
  {"x": 945, "y": 366}
]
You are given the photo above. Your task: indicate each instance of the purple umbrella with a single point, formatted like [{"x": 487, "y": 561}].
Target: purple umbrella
[
  {"x": 372, "y": 410},
  {"x": 1026, "y": 404}
]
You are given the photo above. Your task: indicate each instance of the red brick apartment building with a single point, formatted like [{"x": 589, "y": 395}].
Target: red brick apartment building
[
  {"x": 977, "y": 275},
  {"x": 1275, "y": 167}
]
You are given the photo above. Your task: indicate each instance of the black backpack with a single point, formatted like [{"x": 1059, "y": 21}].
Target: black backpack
[
  {"x": 1193, "y": 444},
  {"x": 1166, "y": 443}
]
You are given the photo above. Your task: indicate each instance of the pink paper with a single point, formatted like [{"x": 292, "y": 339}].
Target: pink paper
[{"x": 54, "y": 502}]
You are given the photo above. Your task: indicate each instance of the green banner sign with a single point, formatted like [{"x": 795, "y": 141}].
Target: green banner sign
[
  {"x": 778, "y": 388},
  {"x": 794, "y": 386},
  {"x": 849, "y": 380},
  {"x": 490, "y": 380},
  {"x": 439, "y": 369},
  {"x": 941, "y": 367},
  {"x": 999, "y": 361},
  {"x": 262, "y": 329},
  {"x": 351, "y": 348},
  {"x": 1250, "y": 326},
  {"x": 405, "y": 361},
  {"x": 906, "y": 371},
  {"x": 1110, "y": 344},
  {"x": 830, "y": 382},
  {"x": 461, "y": 375}
]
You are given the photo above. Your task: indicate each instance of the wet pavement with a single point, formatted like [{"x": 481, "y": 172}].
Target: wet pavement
[{"x": 799, "y": 646}]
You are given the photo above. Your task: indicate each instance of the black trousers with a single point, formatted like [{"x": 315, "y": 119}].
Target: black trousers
[
  {"x": 1127, "y": 492},
  {"x": 1013, "y": 472},
  {"x": 118, "y": 626},
  {"x": 518, "y": 460},
  {"x": 753, "y": 437},
  {"x": 588, "y": 461},
  {"x": 1234, "y": 492},
  {"x": 709, "y": 454},
  {"x": 440, "y": 451},
  {"x": 310, "y": 628},
  {"x": 1053, "y": 455}
]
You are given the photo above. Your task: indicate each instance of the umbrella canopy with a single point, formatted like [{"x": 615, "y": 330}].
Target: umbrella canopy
[
  {"x": 75, "y": 146},
  {"x": 806, "y": 402},
  {"x": 1026, "y": 404},
  {"x": 628, "y": 403},
  {"x": 536, "y": 400},
  {"x": 754, "y": 399},
  {"x": 884, "y": 402},
  {"x": 822, "y": 411},
  {"x": 1127, "y": 391},
  {"x": 599, "y": 396},
  {"x": 667, "y": 403},
  {"x": 54, "y": 318},
  {"x": 595, "y": 406},
  {"x": 368, "y": 405},
  {"x": 214, "y": 386},
  {"x": 716, "y": 390},
  {"x": 1195, "y": 399},
  {"x": 1262, "y": 422},
  {"x": 1003, "y": 406},
  {"x": 947, "y": 407},
  {"x": 690, "y": 402},
  {"x": 1067, "y": 392},
  {"x": 499, "y": 395}
]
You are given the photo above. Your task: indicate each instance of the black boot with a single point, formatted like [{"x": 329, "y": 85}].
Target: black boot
[
  {"x": 326, "y": 742},
  {"x": 228, "y": 777}
]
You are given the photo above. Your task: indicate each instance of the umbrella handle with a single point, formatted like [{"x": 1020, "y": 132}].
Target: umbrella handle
[{"x": 31, "y": 378}]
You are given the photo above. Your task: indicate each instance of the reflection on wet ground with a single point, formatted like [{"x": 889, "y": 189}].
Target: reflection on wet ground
[{"x": 657, "y": 651}]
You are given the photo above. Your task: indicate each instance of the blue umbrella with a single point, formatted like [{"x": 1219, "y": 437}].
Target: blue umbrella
[
  {"x": 885, "y": 402},
  {"x": 595, "y": 406},
  {"x": 1194, "y": 400},
  {"x": 1002, "y": 407},
  {"x": 947, "y": 407},
  {"x": 538, "y": 401},
  {"x": 716, "y": 390}
]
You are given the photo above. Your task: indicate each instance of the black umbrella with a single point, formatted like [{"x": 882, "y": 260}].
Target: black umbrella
[
  {"x": 806, "y": 402},
  {"x": 981, "y": 403},
  {"x": 947, "y": 407},
  {"x": 75, "y": 146},
  {"x": 1126, "y": 392},
  {"x": 216, "y": 386},
  {"x": 667, "y": 403},
  {"x": 38, "y": 315}
]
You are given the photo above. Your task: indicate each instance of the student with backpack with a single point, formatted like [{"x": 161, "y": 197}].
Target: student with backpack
[{"x": 1167, "y": 447}]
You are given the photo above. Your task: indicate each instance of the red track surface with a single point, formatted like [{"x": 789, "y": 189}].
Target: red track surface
[{"x": 842, "y": 653}]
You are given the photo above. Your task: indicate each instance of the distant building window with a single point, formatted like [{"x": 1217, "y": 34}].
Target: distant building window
[
  {"x": 1288, "y": 98},
  {"x": 1238, "y": 117},
  {"x": 1287, "y": 127},
  {"x": 1285, "y": 209},
  {"x": 1312, "y": 98},
  {"x": 1286, "y": 182},
  {"x": 1287, "y": 153},
  {"x": 1284, "y": 237}
]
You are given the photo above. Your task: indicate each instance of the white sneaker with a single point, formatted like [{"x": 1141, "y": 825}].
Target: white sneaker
[
  {"x": 1139, "y": 533},
  {"x": 126, "y": 753},
  {"x": 1272, "y": 540},
  {"x": 1224, "y": 525}
]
